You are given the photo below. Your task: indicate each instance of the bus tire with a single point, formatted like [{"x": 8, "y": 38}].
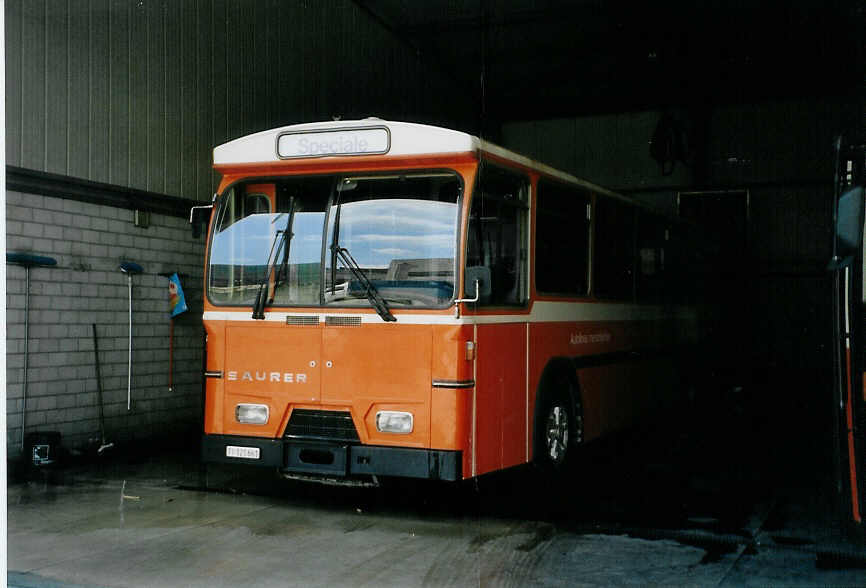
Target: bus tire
[{"x": 560, "y": 427}]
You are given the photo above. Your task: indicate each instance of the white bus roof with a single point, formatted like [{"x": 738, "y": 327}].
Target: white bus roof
[{"x": 369, "y": 136}]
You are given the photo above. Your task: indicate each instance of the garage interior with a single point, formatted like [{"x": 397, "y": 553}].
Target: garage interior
[{"x": 725, "y": 113}]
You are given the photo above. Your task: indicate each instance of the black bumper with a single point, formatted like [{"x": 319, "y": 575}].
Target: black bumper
[{"x": 334, "y": 459}]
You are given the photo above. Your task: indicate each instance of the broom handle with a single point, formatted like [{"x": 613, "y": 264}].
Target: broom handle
[
  {"x": 98, "y": 384},
  {"x": 26, "y": 352},
  {"x": 170, "y": 352},
  {"x": 129, "y": 365}
]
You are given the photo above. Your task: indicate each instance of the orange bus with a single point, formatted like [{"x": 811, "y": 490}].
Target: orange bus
[{"x": 395, "y": 299}]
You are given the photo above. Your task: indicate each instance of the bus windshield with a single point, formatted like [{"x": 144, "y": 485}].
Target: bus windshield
[{"x": 297, "y": 238}]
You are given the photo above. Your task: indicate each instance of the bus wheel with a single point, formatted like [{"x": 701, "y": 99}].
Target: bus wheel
[
  {"x": 556, "y": 433},
  {"x": 562, "y": 430}
]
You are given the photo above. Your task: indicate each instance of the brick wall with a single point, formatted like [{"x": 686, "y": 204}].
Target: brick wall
[{"x": 86, "y": 287}]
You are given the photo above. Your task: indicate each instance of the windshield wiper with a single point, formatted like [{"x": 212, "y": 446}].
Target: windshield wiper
[
  {"x": 376, "y": 300},
  {"x": 284, "y": 238},
  {"x": 290, "y": 224},
  {"x": 370, "y": 290}
]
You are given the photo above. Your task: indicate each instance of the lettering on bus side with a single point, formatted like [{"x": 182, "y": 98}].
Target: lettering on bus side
[
  {"x": 279, "y": 377},
  {"x": 581, "y": 339}
]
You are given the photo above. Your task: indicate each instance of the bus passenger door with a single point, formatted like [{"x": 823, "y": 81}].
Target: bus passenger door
[
  {"x": 500, "y": 396},
  {"x": 497, "y": 246}
]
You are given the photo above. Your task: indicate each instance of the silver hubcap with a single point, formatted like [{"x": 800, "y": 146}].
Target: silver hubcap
[{"x": 557, "y": 434}]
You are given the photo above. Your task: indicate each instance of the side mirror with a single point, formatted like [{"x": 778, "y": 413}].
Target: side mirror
[
  {"x": 481, "y": 275},
  {"x": 199, "y": 216}
]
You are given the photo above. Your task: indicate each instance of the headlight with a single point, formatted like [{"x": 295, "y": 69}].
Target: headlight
[
  {"x": 392, "y": 421},
  {"x": 252, "y": 414}
]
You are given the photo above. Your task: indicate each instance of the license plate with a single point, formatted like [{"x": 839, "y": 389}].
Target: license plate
[{"x": 243, "y": 452}]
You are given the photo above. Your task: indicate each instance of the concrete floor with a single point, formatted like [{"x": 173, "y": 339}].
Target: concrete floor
[{"x": 167, "y": 521}]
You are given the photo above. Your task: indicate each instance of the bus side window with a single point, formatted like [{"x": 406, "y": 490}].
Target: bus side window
[
  {"x": 613, "y": 250},
  {"x": 561, "y": 240},
  {"x": 497, "y": 234}
]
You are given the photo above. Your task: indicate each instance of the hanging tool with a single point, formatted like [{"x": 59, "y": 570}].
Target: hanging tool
[
  {"x": 130, "y": 269},
  {"x": 27, "y": 261},
  {"x": 104, "y": 444}
]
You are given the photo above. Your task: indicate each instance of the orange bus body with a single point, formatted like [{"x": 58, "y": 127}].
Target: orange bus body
[{"x": 468, "y": 375}]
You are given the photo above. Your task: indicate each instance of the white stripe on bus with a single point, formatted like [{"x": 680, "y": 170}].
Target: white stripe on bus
[{"x": 542, "y": 312}]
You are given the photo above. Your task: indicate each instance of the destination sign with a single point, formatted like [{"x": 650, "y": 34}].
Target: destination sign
[{"x": 363, "y": 141}]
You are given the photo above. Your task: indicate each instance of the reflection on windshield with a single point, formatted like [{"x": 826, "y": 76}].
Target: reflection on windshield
[
  {"x": 244, "y": 234},
  {"x": 401, "y": 230}
]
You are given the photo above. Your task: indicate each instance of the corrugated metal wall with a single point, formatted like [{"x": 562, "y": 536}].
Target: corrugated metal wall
[
  {"x": 611, "y": 150},
  {"x": 137, "y": 92}
]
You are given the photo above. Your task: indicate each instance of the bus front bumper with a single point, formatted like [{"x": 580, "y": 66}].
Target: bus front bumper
[{"x": 332, "y": 459}]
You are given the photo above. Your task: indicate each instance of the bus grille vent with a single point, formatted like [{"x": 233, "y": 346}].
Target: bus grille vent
[
  {"x": 305, "y": 319},
  {"x": 328, "y": 425},
  {"x": 343, "y": 321}
]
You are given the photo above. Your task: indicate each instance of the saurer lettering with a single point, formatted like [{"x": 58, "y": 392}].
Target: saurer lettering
[{"x": 280, "y": 377}]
